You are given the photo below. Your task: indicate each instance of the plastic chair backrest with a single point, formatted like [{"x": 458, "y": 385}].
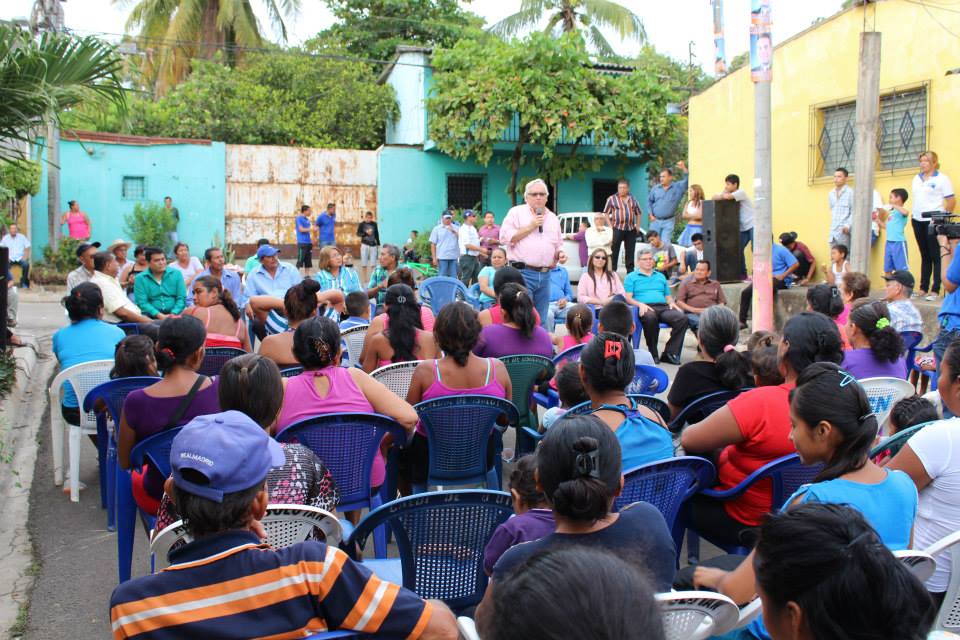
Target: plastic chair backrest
[
  {"x": 568, "y": 355},
  {"x": 114, "y": 392},
  {"x": 155, "y": 450},
  {"x": 347, "y": 444},
  {"x": 702, "y": 406},
  {"x": 285, "y": 524},
  {"x": 911, "y": 340},
  {"x": 524, "y": 371},
  {"x": 786, "y": 474},
  {"x": 83, "y": 378},
  {"x": 696, "y": 615},
  {"x": 920, "y": 563},
  {"x": 130, "y": 328},
  {"x": 948, "y": 618},
  {"x": 290, "y": 372},
  {"x": 639, "y": 399},
  {"x": 353, "y": 338},
  {"x": 473, "y": 295},
  {"x": 396, "y": 376},
  {"x": 891, "y": 446},
  {"x": 458, "y": 430},
  {"x": 440, "y": 537},
  {"x": 883, "y": 393},
  {"x": 649, "y": 380},
  {"x": 215, "y": 357},
  {"x": 438, "y": 291}
]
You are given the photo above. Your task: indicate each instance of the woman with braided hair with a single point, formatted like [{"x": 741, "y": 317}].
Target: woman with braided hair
[{"x": 877, "y": 347}]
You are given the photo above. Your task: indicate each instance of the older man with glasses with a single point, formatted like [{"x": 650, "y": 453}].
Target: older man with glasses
[
  {"x": 648, "y": 290},
  {"x": 531, "y": 234}
]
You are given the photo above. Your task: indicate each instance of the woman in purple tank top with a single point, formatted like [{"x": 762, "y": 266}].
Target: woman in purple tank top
[{"x": 459, "y": 372}]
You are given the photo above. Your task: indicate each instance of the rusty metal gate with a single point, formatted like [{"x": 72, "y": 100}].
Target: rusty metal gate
[{"x": 266, "y": 186}]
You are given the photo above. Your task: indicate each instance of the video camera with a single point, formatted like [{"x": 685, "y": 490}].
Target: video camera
[{"x": 944, "y": 223}]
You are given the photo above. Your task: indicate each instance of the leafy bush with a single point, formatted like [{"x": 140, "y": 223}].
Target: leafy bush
[
  {"x": 8, "y": 373},
  {"x": 21, "y": 176},
  {"x": 65, "y": 258},
  {"x": 150, "y": 223}
]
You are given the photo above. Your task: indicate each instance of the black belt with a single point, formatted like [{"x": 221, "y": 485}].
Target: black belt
[{"x": 523, "y": 265}]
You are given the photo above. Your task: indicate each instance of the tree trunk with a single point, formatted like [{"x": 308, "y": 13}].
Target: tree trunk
[
  {"x": 515, "y": 164},
  {"x": 212, "y": 35}
]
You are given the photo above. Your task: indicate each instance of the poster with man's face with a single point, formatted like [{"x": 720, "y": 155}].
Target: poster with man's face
[{"x": 761, "y": 42}]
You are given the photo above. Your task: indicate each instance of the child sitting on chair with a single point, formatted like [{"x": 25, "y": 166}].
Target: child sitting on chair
[{"x": 571, "y": 392}]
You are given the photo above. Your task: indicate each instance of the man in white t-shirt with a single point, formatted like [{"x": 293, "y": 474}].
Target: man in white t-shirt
[
  {"x": 19, "y": 252},
  {"x": 732, "y": 191},
  {"x": 470, "y": 250}
]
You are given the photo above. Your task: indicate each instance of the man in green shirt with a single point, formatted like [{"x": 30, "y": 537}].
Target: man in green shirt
[
  {"x": 648, "y": 290},
  {"x": 389, "y": 262},
  {"x": 159, "y": 292}
]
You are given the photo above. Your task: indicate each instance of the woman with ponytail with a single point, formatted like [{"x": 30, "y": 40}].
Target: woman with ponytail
[
  {"x": 827, "y": 299},
  {"x": 606, "y": 368},
  {"x": 403, "y": 339},
  {"x": 520, "y": 333},
  {"x": 833, "y": 425},
  {"x": 299, "y": 303},
  {"x": 720, "y": 368},
  {"x": 580, "y": 474},
  {"x": 216, "y": 309},
  {"x": 877, "y": 347},
  {"x": 178, "y": 398},
  {"x": 326, "y": 387}
]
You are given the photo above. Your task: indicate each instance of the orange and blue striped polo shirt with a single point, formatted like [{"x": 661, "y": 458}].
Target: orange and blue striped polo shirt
[{"x": 229, "y": 585}]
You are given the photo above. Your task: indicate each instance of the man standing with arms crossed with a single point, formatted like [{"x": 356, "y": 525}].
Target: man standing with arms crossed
[
  {"x": 531, "y": 235},
  {"x": 445, "y": 246},
  {"x": 326, "y": 222},
  {"x": 624, "y": 213},
  {"x": 470, "y": 249},
  {"x": 304, "y": 241},
  {"x": 841, "y": 209},
  {"x": 663, "y": 200}
]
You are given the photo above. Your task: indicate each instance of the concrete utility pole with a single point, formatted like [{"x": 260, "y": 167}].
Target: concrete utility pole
[
  {"x": 867, "y": 121},
  {"x": 47, "y": 15},
  {"x": 761, "y": 73}
]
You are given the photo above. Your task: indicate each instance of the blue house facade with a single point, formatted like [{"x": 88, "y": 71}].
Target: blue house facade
[{"x": 416, "y": 182}]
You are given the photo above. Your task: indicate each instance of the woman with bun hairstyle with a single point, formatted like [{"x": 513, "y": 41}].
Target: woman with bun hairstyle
[
  {"x": 833, "y": 425},
  {"x": 827, "y": 299},
  {"x": 877, "y": 347},
  {"x": 754, "y": 429},
  {"x": 404, "y": 338},
  {"x": 720, "y": 368},
  {"x": 299, "y": 303},
  {"x": 216, "y": 309},
  {"x": 520, "y": 332},
  {"x": 505, "y": 275},
  {"x": 579, "y": 471},
  {"x": 606, "y": 368},
  {"x": 175, "y": 400}
]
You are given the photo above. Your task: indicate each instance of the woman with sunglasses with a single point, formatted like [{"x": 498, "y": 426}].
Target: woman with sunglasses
[
  {"x": 216, "y": 309},
  {"x": 599, "y": 285}
]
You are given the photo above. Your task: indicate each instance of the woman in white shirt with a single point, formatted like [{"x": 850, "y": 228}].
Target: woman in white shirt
[
  {"x": 185, "y": 263},
  {"x": 931, "y": 191},
  {"x": 599, "y": 236}
]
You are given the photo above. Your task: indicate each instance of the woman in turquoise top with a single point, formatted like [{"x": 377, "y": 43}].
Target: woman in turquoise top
[
  {"x": 832, "y": 424},
  {"x": 498, "y": 258},
  {"x": 334, "y": 276},
  {"x": 606, "y": 368}
]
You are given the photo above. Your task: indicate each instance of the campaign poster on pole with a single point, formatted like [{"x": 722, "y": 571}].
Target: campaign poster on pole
[
  {"x": 720, "y": 54},
  {"x": 761, "y": 42}
]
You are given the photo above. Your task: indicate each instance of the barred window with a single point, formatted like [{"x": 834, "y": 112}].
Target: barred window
[
  {"x": 134, "y": 188},
  {"x": 901, "y": 134},
  {"x": 465, "y": 191}
]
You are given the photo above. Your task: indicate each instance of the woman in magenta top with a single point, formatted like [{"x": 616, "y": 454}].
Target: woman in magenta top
[
  {"x": 459, "y": 372},
  {"x": 78, "y": 223},
  {"x": 598, "y": 284},
  {"x": 326, "y": 387},
  {"x": 404, "y": 338},
  {"x": 519, "y": 333}
]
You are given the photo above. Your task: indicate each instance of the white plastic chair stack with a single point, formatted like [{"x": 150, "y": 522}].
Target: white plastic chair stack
[
  {"x": 883, "y": 393},
  {"x": 948, "y": 619},
  {"x": 696, "y": 615},
  {"x": 353, "y": 338},
  {"x": 83, "y": 378},
  {"x": 286, "y": 525},
  {"x": 920, "y": 563},
  {"x": 397, "y": 376}
]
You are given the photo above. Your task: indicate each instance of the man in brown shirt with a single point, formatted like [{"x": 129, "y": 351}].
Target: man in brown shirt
[{"x": 699, "y": 292}]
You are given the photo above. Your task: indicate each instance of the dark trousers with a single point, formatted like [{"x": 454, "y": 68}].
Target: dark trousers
[
  {"x": 651, "y": 320},
  {"x": 746, "y": 297},
  {"x": 711, "y": 520},
  {"x": 629, "y": 240},
  {"x": 304, "y": 255},
  {"x": 929, "y": 255},
  {"x": 469, "y": 268}
]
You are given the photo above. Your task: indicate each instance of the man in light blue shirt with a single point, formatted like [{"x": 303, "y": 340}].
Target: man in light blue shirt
[
  {"x": 272, "y": 278},
  {"x": 784, "y": 263},
  {"x": 663, "y": 199},
  {"x": 648, "y": 290},
  {"x": 214, "y": 261},
  {"x": 445, "y": 246},
  {"x": 19, "y": 252},
  {"x": 560, "y": 296}
]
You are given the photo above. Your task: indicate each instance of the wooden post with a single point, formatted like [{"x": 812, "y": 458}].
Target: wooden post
[{"x": 867, "y": 121}]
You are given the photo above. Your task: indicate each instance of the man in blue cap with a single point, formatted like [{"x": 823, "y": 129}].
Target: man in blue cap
[
  {"x": 272, "y": 278},
  {"x": 226, "y": 583}
]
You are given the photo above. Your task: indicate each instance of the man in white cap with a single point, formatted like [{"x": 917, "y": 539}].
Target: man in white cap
[{"x": 445, "y": 246}]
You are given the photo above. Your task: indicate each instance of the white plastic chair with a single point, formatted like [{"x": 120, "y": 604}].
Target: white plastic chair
[
  {"x": 920, "y": 563},
  {"x": 286, "y": 525},
  {"x": 948, "y": 618},
  {"x": 397, "y": 376},
  {"x": 83, "y": 378},
  {"x": 749, "y": 612},
  {"x": 467, "y": 628},
  {"x": 353, "y": 338},
  {"x": 883, "y": 393},
  {"x": 696, "y": 615}
]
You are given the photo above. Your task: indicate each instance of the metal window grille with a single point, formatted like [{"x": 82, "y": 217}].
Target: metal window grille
[
  {"x": 134, "y": 188},
  {"x": 901, "y": 135},
  {"x": 465, "y": 191}
]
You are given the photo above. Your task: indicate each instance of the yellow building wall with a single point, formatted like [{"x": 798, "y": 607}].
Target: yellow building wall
[{"x": 820, "y": 66}]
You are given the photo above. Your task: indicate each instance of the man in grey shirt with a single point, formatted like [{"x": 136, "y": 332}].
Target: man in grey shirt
[{"x": 732, "y": 191}]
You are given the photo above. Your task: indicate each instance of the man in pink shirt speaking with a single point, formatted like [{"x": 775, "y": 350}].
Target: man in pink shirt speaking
[{"x": 531, "y": 235}]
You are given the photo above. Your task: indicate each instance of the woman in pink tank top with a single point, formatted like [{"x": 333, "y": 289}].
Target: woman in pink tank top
[
  {"x": 458, "y": 372},
  {"x": 78, "y": 223},
  {"x": 218, "y": 311},
  {"x": 405, "y": 340},
  {"x": 326, "y": 387}
]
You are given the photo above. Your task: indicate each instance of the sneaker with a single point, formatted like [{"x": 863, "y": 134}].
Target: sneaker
[{"x": 931, "y": 297}]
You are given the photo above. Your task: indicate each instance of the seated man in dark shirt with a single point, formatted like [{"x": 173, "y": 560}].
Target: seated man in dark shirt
[
  {"x": 227, "y": 584},
  {"x": 698, "y": 293}
]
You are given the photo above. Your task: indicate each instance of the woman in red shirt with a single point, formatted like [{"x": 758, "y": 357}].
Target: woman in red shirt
[{"x": 754, "y": 429}]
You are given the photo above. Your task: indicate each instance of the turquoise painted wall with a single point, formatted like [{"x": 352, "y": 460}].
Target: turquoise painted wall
[
  {"x": 412, "y": 188},
  {"x": 194, "y": 175}
]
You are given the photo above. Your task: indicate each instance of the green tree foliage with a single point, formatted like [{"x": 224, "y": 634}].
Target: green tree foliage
[
  {"x": 372, "y": 29},
  {"x": 583, "y": 17},
  {"x": 149, "y": 223},
  {"x": 21, "y": 176},
  {"x": 282, "y": 98},
  {"x": 544, "y": 92}
]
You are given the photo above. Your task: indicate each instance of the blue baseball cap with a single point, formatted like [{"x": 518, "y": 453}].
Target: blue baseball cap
[
  {"x": 267, "y": 250},
  {"x": 229, "y": 449}
]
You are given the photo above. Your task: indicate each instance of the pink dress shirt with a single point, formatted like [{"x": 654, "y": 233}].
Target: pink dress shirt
[
  {"x": 602, "y": 290},
  {"x": 489, "y": 237},
  {"x": 537, "y": 249}
]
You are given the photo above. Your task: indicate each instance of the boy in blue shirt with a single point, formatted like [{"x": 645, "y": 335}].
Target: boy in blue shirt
[
  {"x": 895, "y": 250},
  {"x": 358, "y": 311}
]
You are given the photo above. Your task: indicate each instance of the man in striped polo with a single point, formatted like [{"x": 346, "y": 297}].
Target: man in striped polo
[{"x": 624, "y": 213}]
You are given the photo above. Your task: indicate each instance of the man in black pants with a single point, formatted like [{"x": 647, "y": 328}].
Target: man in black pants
[
  {"x": 648, "y": 290},
  {"x": 624, "y": 213}
]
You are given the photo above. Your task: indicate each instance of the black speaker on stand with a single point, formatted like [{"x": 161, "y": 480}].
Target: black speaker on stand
[{"x": 721, "y": 239}]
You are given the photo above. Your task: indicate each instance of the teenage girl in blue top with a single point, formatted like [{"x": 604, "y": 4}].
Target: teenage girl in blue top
[{"x": 832, "y": 424}]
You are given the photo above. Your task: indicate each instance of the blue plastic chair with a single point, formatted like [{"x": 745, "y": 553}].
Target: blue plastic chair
[
  {"x": 911, "y": 340},
  {"x": 215, "y": 357},
  {"x": 525, "y": 371},
  {"x": 438, "y": 291},
  {"x": 331, "y": 635},
  {"x": 347, "y": 443},
  {"x": 551, "y": 399},
  {"x": 786, "y": 475},
  {"x": 667, "y": 485},
  {"x": 650, "y": 402},
  {"x": 702, "y": 406},
  {"x": 112, "y": 393},
  {"x": 473, "y": 297},
  {"x": 458, "y": 432},
  {"x": 440, "y": 537},
  {"x": 130, "y": 328},
  {"x": 290, "y": 372},
  {"x": 156, "y": 451},
  {"x": 649, "y": 380}
]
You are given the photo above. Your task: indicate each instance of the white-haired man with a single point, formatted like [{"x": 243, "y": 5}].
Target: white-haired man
[{"x": 531, "y": 235}]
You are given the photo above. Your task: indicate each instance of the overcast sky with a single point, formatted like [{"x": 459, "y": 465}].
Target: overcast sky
[{"x": 671, "y": 26}]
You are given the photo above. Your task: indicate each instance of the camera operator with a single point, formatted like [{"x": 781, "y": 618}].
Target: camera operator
[{"x": 949, "y": 315}]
